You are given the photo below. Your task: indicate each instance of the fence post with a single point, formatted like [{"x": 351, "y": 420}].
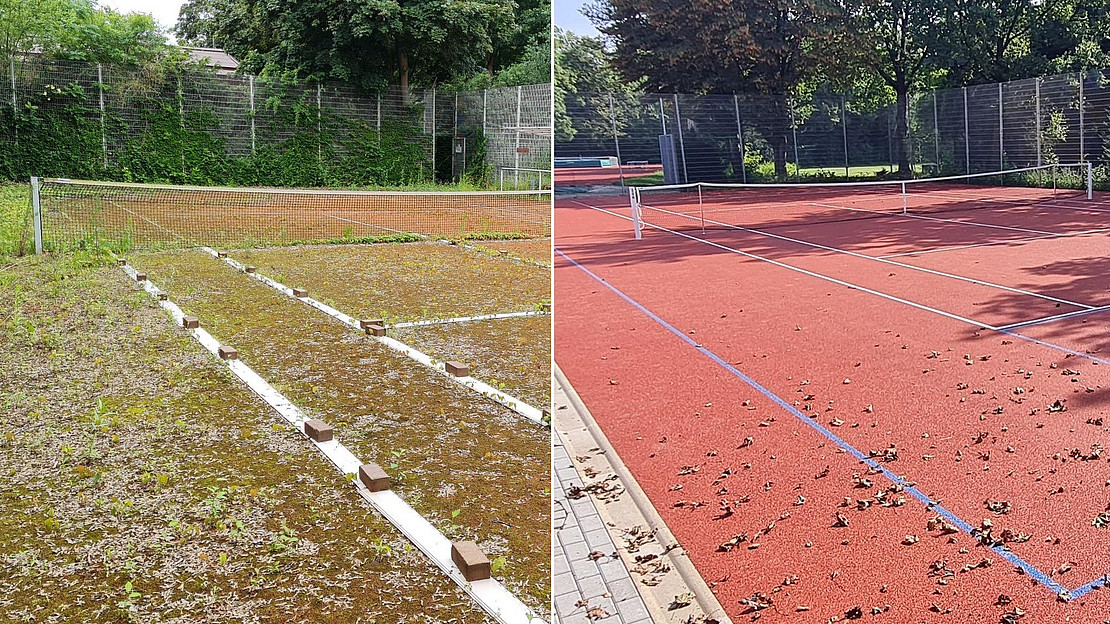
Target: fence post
[
  {"x": 103, "y": 132},
  {"x": 740, "y": 136},
  {"x": 681, "y": 142},
  {"x": 936, "y": 135},
  {"x": 516, "y": 161},
  {"x": 378, "y": 120},
  {"x": 15, "y": 105},
  {"x": 967, "y": 137},
  {"x": 1082, "y": 151},
  {"x": 616, "y": 141},
  {"x": 484, "y": 93},
  {"x": 1001, "y": 143},
  {"x": 36, "y": 214},
  {"x": 251, "y": 77},
  {"x": 433, "y": 133},
  {"x": 181, "y": 118},
  {"x": 844, "y": 132},
  {"x": 794, "y": 133},
  {"x": 1037, "y": 86},
  {"x": 319, "y": 127}
]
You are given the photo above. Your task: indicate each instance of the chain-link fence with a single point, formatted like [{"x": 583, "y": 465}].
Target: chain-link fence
[
  {"x": 738, "y": 138},
  {"x": 80, "y": 120}
]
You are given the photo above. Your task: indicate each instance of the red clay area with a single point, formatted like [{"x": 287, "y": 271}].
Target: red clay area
[
  {"x": 778, "y": 518},
  {"x": 602, "y": 176}
]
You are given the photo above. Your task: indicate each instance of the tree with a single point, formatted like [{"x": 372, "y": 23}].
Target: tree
[
  {"x": 762, "y": 46},
  {"x": 585, "y": 77},
  {"x": 105, "y": 36},
  {"x": 371, "y": 43},
  {"x": 26, "y": 25},
  {"x": 893, "y": 39}
]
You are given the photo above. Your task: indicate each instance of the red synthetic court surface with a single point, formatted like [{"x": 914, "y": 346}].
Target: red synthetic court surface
[
  {"x": 966, "y": 409},
  {"x": 601, "y": 176}
]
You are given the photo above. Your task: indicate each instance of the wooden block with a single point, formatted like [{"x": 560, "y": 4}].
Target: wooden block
[
  {"x": 190, "y": 322},
  {"x": 140, "y": 277},
  {"x": 458, "y": 369},
  {"x": 221, "y": 254},
  {"x": 250, "y": 269},
  {"x": 471, "y": 561},
  {"x": 546, "y": 307},
  {"x": 503, "y": 252},
  {"x": 228, "y": 353},
  {"x": 545, "y": 416},
  {"x": 375, "y": 330},
  {"x": 162, "y": 295},
  {"x": 373, "y": 477},
  {"x": 365, "y": 323},
  {"x": 319, "y": 430},
  {"x": 300, "y": 292},
  {"x": 121, "y": 261}
]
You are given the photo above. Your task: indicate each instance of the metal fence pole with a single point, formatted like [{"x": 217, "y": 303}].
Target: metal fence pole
[
  {"x": 378, "y": 119},
  {"x": 936, "y": 134},
  {"x": 616, "y": 141},
  {"x": 181, "y": 118},
  {"x": 740, "y": 138},
  {"x": 1001, "y": 143},
  {"x": 36, "y": 214},
  {"x": 433, "y": 134},
  {"x": 103, "y": 132},
  {"x": 681, "y": 142},
  {"x": 516, "y": 161},
  {"x": 844, "y": 133},
  {"x": 484, "y": 93},
  {"x": 253, "y": 136},
  {"x": 794, "y": 132},
  {"x": 967, "y": 137},
  {"x": 1037, "y": 86},
  {"x": 663, "y": 115},
  {"x": 1082, "y": 130},
  {"x": 15, "y": 105},
  {"x": 320, "y": 126}
]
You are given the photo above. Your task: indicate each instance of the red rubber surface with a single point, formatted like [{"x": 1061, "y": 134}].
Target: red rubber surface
[
  {"x": 666, "y": 406},
  {"x": 601, "y": 176}
]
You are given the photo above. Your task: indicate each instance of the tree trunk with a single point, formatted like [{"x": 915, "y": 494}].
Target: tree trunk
[
  {"x": 403, "y": 70},
  {"x": 901, "y": 131}
]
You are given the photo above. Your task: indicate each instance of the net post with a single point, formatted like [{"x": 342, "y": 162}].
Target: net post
[
  {"x": 634, "y": 200},
  {"x": 36, "y": 213}
]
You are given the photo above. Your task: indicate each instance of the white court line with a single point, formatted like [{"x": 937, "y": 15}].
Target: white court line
[
  {"x": 380, "y": 227},
  {"x": 467, "y": 319},
  {"x": 994, "y": 243},
  {"x": 886, "y": 261},
  {"x": 928, "y": 218},
  {"x": 139, "y": 216},
  {"x": 826, "y": 278},
  {"x": 1055, "y": 317},
  {"x": 534, "y": 414},
  {"x": 490, "y": 595}
]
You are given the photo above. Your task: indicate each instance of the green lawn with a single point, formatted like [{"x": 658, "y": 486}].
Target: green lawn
[{"x": 15, "y": 220}]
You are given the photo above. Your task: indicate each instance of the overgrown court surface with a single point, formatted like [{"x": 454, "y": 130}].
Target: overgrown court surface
[
  {"x": 142, "y": 482},
  {"x": 424, "y": 281},
  {"x": 475, "y": 469}
]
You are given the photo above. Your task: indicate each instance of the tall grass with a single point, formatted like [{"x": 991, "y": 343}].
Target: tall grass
[{"x": 16, "y": 236}]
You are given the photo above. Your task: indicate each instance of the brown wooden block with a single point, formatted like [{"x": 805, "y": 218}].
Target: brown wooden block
[
  {"x": 471, "y": 561},
  {"x": 546, "y": 307},
  {"x": 250, "y": 269},
  {"x": 365, "y": 323},
  {"x": 545, "y": 416},
  {"x": 140, "y": 277},
  {"x": 300, "y": 292},
  {"x": 190, "y": 322},
  {"x": 458, "y": 369},
  {"x": 121, "y": 261},
  {"x": 221, "y": 254},
  {"x": 228, "y": 353},
  {"x": 503, "y": 252},
  {"x": 373, "y": 477},
  {"x": 162, "y": 295},
  {"x": 318, "y": 430},
  {"x": 375, "y": 330}
]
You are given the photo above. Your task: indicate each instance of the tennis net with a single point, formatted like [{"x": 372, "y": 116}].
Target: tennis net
[
  {"x": 703, "y": 206},
  {"x": 73, "y": 213}
]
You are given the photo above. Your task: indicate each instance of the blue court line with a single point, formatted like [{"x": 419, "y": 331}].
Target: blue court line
[{"x": 929, "y": 503}]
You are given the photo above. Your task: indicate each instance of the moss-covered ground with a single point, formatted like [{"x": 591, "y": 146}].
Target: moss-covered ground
[
  {"x": 141, "y": 482},
  {"x": 475, "y": 469}
]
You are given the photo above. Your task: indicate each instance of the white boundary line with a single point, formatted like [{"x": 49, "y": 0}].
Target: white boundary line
[
  {"x": 467, "y": 319},
  {"x": 520, "y": 407},
  {"x": 928, "y": 218},
  {"x": 490, "y": 595},
  {"x": 380, "y": 227},
  {"x": 994, "y": 243},
  {"x": 1055, "y": 317},
  {"x": 883, "y": 260}
]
